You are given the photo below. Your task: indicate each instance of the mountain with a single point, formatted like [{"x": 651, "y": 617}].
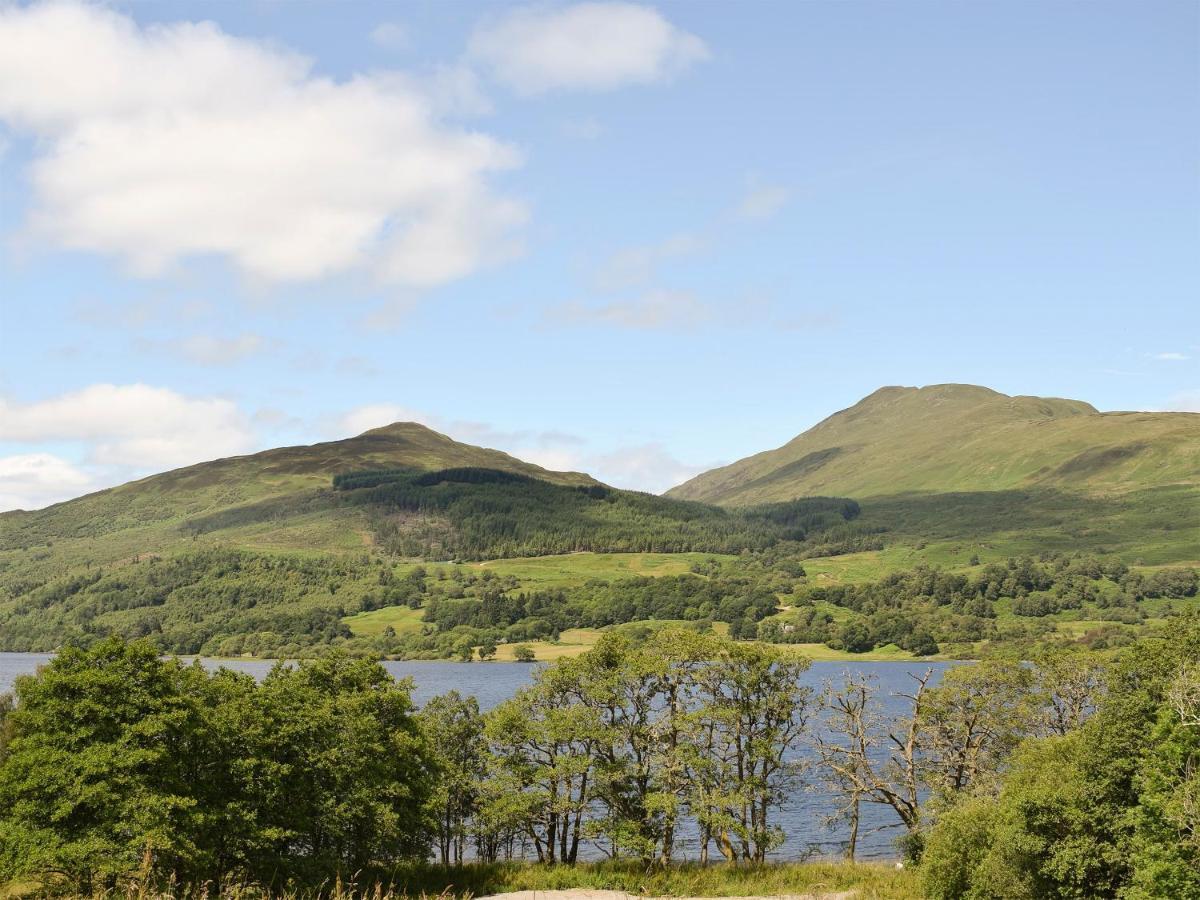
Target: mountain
[
  {"x": 404, "y": 490},
  {"x": 961, "y": 438},
  {"x": 278, "y": 499},
  {"x": 283, "y": 472}
]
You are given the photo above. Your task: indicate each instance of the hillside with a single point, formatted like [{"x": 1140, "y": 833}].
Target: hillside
[
  {"x": 404, "y": 490},
  {"x": 404, "y": 542},
  {"x": 956, "y": 469},
  {"x": 961, "y": 438},
  {"x": 279, "y": 499}
]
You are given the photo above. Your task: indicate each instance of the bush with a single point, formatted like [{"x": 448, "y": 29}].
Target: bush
[
  {"x": 119, "y": 767},
  {"x": 523, "y": 653}
]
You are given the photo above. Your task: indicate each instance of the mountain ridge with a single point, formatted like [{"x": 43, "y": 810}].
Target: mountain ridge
[{"x": 954, "y": 437}]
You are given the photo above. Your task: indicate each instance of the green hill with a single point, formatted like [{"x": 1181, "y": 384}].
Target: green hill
[
  {"x": 277, "y": 552},
  {"x": 959, "y": 461},
  {"x": 279, "y": 499},
  {"x": 403, "y": 490}
]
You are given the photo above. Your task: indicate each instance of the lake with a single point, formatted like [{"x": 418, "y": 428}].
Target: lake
[{"x": 802, "y": 816}]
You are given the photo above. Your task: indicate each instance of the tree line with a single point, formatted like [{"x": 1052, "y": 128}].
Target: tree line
[
  {"x": 476, "y": 513},
  {"x": 1073, "y": 775},
  {"x": 222, "y": 602}
]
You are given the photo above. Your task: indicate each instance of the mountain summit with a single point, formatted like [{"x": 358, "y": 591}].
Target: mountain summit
[{"x": 960, "y": 437}]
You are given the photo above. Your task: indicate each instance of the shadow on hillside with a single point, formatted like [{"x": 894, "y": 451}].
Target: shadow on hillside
[{"x": 1059, "y": 520}]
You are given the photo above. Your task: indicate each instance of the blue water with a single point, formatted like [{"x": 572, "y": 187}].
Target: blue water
[{"x": 802, "y": 816}]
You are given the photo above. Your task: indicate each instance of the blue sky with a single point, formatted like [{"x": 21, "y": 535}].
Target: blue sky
[{"x": 634, "y": 239}]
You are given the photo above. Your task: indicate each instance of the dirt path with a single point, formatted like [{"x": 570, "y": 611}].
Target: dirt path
[{"x": 584, "y": 894}]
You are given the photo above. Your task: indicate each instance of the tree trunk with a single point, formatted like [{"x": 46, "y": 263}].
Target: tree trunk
[{"x": 852, "y": 848}]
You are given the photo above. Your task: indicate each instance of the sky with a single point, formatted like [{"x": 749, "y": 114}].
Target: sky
[{"x": 633, "y": 239}]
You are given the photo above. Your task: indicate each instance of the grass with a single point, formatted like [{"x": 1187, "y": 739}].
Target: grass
[
  {"x": 862, "y": 881},
  {"x": 865, "y": 880},
  {"x": 573, "y": 569},
  {"x": 375, "y": 622},
  {"x": 821, "y": 653},
  {"x": 963, "y": 438},
  {"x": 575, "y": 641}
]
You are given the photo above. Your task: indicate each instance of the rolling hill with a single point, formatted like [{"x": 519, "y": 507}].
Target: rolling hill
[
  {"x": 278, "y": 498},
  {"x": 951, "y": 438},
  {"x": 962, "y": 468},
  {"x": 279, "y": 552},
  {"x": 404, "y": 490}
]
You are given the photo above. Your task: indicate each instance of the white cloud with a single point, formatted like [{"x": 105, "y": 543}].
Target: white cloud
[
  {"x": 652, "y": 311},
  {"x": 390, "y": 36},
  {"x": 585, "y": 46},
  {"x": 1170, "y": 357},
  {"x": 637, "y": 265},
  {"x": 763, "y": 201},
  {"x": 168, "y": 142},
  {"x": 648, "y": 467},
  {"x": 34, "y": 480},
  {"x": 133, "y": 426}
]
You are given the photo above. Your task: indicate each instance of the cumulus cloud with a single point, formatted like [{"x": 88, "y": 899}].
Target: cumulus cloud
[
  {"x": 132, "y": 426},
  {"x": 168, "y": 142},
  {"x": 585, "y": 46},
  {"x": 648, "y": 467},
  {"x": 34, "y": 480}
]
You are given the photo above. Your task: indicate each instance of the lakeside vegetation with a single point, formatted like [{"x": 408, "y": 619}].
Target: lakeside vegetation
[
  {"x": 233, "y": 603},
  {"x": 1073, "y": 776}
]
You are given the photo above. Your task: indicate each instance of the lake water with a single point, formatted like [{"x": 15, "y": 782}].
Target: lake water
[{"x": 802, "y": 816}]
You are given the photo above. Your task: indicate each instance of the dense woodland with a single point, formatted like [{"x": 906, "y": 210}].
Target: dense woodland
[
  {"x": 472, "y": 513},
  {"x": 226, "y": 602},
  {"x": 1071, "y": 776}
]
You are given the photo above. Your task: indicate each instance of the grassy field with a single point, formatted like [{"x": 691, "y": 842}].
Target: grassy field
[
  {"x": 579, "y": 640},
  {"x": 860, "y": 881},
  {"x": 399, "y": 618},
  {"x": 572, "y": 569},
  {"x": 963, "y": 438}
]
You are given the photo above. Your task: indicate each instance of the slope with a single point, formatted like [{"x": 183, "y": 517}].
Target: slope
[
  {"x": 279, "y": 499},
  {"x": 962, "y": 438}
]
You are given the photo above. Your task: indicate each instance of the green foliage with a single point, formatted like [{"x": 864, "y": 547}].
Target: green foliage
[
  {"x": 623, "y": 742},
  {"x": 217, "y": 602},
  {"x": 453, "y": 728},
  {"x": 926, "y": 607},
  {"x": 122, "y": 769},
  {"x": 477, "y": 513},
  {"x": 869, "y": 881},
  {"x": 1105, "y": 810}
]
